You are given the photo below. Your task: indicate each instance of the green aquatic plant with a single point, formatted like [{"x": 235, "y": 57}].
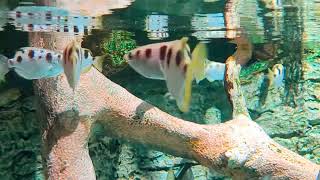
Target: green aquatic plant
[
  {"x": 117, "y": 45},
  {"x": 247, "y": 72},
  {"x": 313, "y": 56},
  {"x": 254, "y": 68}
]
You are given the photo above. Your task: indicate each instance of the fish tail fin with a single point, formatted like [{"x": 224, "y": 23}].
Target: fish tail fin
[
  {"x": 198, "y": 62},
  {"x": 98, "y": 62},
  {"x": 4, "y": 68},
  {"x": 195, "y": 69}
]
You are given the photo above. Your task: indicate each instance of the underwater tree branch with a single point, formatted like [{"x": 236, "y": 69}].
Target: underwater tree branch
[
  {"x": 238, "y": 148},
  {"x": 65, "y": 134},
  {"x": 233, "y": 88}
]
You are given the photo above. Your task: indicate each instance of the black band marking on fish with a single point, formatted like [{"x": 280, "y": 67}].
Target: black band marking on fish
[
  {"x": 138, "y": 54},
  {"x": 31, "y": 54},
  {"x": 19, "y": 59},
  {"x": 30, "y": 14},
  {"x": 59, "y": 57},
  {"x": 169, "y": 56},
  {"x": 178, "y": 58},
  {"x": 185, "y": 66},
  {"x": 148, "y": 52},
  {"x": 86, "y": 53},
  {"x": 49, "y": 57},
  {"x": 69, "y": 55},
  {"x": 163, "y": 50},
  {"x": 40, "y": 57}
]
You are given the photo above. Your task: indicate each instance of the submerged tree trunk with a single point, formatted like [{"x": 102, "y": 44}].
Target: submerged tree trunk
[{"x": 238, "y": 148}]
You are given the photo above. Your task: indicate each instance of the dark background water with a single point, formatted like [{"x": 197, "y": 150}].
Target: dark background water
[{"x": 290, "y": 114}]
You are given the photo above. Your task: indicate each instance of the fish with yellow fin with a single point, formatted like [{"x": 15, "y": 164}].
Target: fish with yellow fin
[
  {"x": 77, "y": 60},
  {"x": 276, "y": 75},
  {"x": 171, "y": 61}
]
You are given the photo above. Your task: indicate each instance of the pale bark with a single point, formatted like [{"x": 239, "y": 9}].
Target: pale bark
[{"x": 237, "y": 148}]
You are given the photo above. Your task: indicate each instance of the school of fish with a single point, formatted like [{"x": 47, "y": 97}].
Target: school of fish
[{"x": 170, "y": 61}]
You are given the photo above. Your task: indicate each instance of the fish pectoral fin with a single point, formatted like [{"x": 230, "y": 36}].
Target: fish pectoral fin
[
  {"x": 184, "y": 41},
  {"x": 198, "y": 62},
  {"x": 98, "y": 62}
]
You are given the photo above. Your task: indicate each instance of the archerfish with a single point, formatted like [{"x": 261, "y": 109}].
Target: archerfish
[
  {"x": 77, "y": 60},
  {"x": 36, "y": 63},
  {"x": 33, "y": 63},
  {"x": 171, "y": 61},
  {"x": 276, "y": 75}
]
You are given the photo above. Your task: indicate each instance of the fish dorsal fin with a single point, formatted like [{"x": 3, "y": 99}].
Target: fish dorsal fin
[{"x": 184, "y": 42}]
